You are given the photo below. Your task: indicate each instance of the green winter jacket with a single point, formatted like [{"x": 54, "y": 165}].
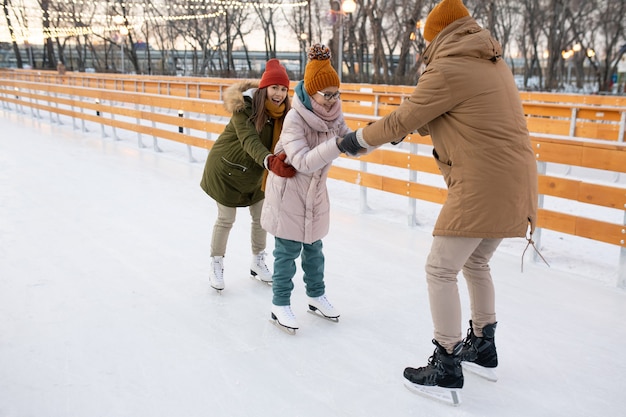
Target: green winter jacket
[{"x": 233, "y": 172}]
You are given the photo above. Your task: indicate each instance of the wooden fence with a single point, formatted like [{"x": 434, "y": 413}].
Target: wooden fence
[{"x": 572, "y": 130}]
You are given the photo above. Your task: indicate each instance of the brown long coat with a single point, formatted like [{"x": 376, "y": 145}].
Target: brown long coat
[{"x": 467, "y": 101}]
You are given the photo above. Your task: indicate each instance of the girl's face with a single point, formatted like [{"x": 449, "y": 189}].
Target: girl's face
[
  {"x": 327, "y": 97},
  {"x": 277, "y": 93}
]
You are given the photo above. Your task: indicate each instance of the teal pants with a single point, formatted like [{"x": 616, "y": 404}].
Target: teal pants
[{"x": 285, "y": 254}]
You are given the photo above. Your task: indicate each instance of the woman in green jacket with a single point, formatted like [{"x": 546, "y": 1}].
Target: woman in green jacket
[{"x": 234, "y": 173}]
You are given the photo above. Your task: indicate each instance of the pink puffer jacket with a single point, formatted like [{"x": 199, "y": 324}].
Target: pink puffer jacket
[{"x": 298, "y": 208}]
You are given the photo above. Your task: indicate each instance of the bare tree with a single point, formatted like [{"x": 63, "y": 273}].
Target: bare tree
[
  {"x": 556, "y": 40},
  {"x": 580, "y": 18},
  {"x": 380, "y": 66},
  {"x": 6, "y": 4},
  {"x": 266, "y": 13},
  {"x": 299, "y": 20},
  {"x": 611, "y": 18},
  {"x": 503, "y": 19},
  {"x": 408, "y": 15},
  {"x": 49, "y": 60},
  {"x": 530, "y": 40},
  {"x": 381, "y": 41}
]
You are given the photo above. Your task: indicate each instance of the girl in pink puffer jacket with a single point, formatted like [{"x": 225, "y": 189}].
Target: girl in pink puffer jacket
[{"x": 296, "y": 210}]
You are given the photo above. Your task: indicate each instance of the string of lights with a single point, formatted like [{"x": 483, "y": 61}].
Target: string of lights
[
  {"x": 65, "y": 22},
  {"x": 54, "y": 13}
]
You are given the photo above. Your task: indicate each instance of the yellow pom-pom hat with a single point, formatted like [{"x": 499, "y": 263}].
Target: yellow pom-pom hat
[
  {"x": 442, "y": 15},
  {"x": 319, "y": 73}
]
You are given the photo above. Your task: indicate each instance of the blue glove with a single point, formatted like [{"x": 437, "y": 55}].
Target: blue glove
[{"x": 349, "y": 144}]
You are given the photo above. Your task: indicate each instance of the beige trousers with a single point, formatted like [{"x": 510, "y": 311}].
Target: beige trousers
[
  {"x": 225, "y": 220},
  {"x": 448, "y": 256}
]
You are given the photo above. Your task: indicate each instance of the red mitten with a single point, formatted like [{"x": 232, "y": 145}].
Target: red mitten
[{"x": 276, "y": 164}]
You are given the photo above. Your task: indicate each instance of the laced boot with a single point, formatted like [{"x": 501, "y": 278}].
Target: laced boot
[
  {"x": 443, "y": 369},
  {"x": 258, "y": 268},
  {"x": 216, "y": 274},
  {"x": 324, "y": 307},
  {"x": 481, "y": 350},
  {"x": 283, "y": 316}
]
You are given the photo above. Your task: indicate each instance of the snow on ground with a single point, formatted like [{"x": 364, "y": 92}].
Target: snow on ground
[{"x": 105, "y": 308}]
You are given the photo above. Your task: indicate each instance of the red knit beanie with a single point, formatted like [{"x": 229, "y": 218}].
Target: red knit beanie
[{"x": 275, "y": 74}]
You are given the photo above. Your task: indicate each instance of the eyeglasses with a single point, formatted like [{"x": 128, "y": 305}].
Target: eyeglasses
[{"x": 330, "y": 96}]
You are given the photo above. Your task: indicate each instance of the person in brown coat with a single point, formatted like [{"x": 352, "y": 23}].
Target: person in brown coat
[{"x": 467, "y": 101}]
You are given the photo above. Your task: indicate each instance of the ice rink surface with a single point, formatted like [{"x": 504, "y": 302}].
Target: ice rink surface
[{"x": 105, "y": 307}]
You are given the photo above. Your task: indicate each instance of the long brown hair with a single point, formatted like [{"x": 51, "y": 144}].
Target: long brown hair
[{"x": 258, "y": 116}]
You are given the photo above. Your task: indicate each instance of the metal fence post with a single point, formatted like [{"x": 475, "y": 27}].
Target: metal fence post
[
  {"x": 412, "y": 217},
  {"x": 180, "y": 130},
  {"x": 99, "y": 114},
  {"x": 155, "y": 143},
  {"x": 622, "y": 127},
  {"x": 572, "y": 122},
  {"x": 621, "y": 271},
  {"x": 138, "y": 121},
  {"x": 541, "y": 170},
  {"x": 363, "y": 207},
  {"x": 82, "y": 119},
  {"x": 58, "y": 114}
]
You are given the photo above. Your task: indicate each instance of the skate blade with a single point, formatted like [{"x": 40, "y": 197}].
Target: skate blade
[
  {"x": 449, "y": 396},
  {"x": 256, "y": 278},
  {"x": 289, "y": 330},
  {"x": 218, "y": 290},
  {"x": 488, "y": 373},
  {"x": 318, "y": 313}
]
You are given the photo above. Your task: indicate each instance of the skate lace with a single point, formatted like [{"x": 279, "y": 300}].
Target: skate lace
[
  {"x": 431, "y": 372},
  {"x": 287, "y": 313},
  {"x": 260, "y": 262},
  {"x": 324, "y": 301},
  {"x": 467, "y": 342},
  {"x": 432, "y": 361},
  {"x": 218, "y": 269}
]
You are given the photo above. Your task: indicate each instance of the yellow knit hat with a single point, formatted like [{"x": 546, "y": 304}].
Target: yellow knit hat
[
  {"x": 319, "y": 73},
  {"x": 442, "y": 15}
]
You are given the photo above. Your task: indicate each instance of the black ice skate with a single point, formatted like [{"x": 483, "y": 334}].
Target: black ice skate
[
  {"x": 441, "y": 379},
  {"x": 479, "y": 353}
]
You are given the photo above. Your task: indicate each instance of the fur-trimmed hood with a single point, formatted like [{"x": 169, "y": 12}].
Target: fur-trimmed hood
[
  {"x": 233, "y": 173},
  {"x": 234, "y": 100}
]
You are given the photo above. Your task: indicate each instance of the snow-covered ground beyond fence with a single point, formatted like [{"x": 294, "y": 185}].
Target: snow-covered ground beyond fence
[{"x": 105, "y": 309}]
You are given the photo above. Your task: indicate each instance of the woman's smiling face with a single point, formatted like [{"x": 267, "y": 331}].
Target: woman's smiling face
[{"x": 277, "y": 93}]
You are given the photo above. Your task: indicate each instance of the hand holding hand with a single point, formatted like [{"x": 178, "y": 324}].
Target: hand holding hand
[
  {"x": 349, "y": 145},
  {"x": 276, "y": 164}
]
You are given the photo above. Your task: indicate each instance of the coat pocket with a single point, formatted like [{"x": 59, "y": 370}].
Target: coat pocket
[
  {"x": 234, "y": 165},
  {"x": 444, "y": 167}
]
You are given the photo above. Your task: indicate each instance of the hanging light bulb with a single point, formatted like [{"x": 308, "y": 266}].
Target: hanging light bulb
[{"x": 348, "y": 6}]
